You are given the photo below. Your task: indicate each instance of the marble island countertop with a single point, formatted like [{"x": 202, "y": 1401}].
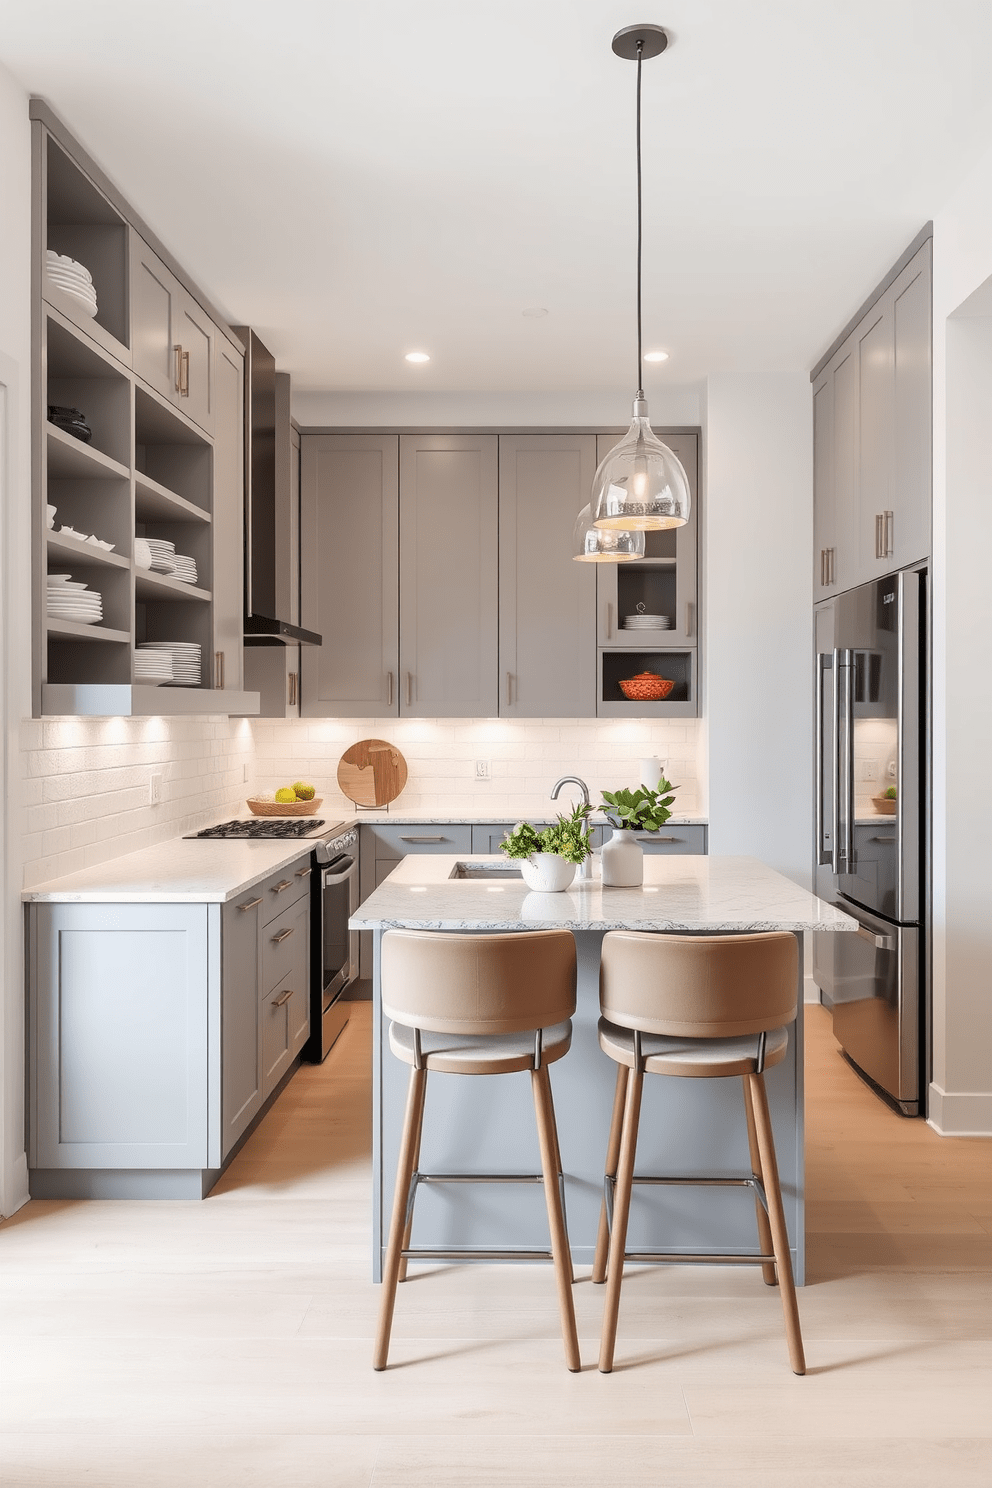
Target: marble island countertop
[
  {"x": 678, "y": 894},
  {"x": 180, "y": 871}
]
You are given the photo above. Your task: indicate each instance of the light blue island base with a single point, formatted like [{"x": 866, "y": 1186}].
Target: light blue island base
[{"x": 687, "y": 1126}]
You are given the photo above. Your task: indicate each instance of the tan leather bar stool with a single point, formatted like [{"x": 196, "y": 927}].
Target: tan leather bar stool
[
  {"x": 696, "y": 1007},
  {"x": 477, "y": 1005}
]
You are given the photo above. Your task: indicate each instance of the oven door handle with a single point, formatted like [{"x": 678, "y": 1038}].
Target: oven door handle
[{"x": 342, "y": 875}]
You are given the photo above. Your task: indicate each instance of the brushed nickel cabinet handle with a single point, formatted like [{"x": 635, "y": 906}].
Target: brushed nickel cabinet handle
[
  {"x": 609, "y": 620},
  {"x": 652, "y": 838},
  {"x": 219, "y": 670},
  {"x": 409, "y": 689},
  {"x": 423, "y": 839},
  {"x": 177, "y": 368},
  {"x": 250, "y": 905},
  {"x": 283, "y": 935},
  {"x": 509, "y": 689},
  {"x": 293, "y": 688},
  {"x": 184, "y": 376},
  {"x": 688, "y": 617},
  {"x": 389, "y": 689},
  {"x": 303, "y": 872},
  {"x": 283, "y": 998},
  {"x": 888, "y": 519},
  {"x": 285, "y": 884}
]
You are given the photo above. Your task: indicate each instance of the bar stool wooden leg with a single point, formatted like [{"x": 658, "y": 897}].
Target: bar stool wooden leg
[
  {"x": 544, "y": 1111},
  {"x": 556, "y": 1154},
  {"x": 612, "y": 1157},
  {"x": 621, "y": 1212},
  {"x": 776, "y": 1217},
  {"x": 764, "y": 1229},
  {"x": 408, "y": 1231},
  {"x": 409, "y": 1146}
]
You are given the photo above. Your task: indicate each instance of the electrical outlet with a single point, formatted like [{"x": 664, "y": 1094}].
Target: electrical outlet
[
  {"x": 871, "y": 769},
  {"x": 155, "y": 791},
  {"x": 244, "y": 777},
  {"x": 892, "y": 770},
  {"x": 483, "y": 770}
]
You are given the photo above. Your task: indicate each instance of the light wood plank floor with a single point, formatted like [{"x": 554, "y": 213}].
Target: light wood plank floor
[{"x": 228, "y": 1342}]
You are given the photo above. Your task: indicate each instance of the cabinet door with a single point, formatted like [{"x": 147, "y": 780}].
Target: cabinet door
[
  {"x": 846, "y": 560},
  {"x": 350, "y": 516},
  {"x": 547, "y": 602},
  {"x": 665, "y": 580},
  {"x": 120, "y": 1063},
  {"x": 449, "y": 521},
  {"x": 228, "y": 517},
  {"x": 155, "y": 300},
  {"x": 876, "y": 446},
  {"x": 824, "y": 511},
  {"x": 194, "y": 333},
  {"x": 241, "y": 1067},
  {"x": 908, "y": 535}
]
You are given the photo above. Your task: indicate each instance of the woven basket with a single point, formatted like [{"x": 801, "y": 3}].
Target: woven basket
[
  {"x": 885, "y": 805},
  {"x": 283, "y": 808}
]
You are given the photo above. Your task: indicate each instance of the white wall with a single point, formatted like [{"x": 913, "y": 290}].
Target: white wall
[
  {"x": 673, "y": 406},
  {"x": 15, "y": 637},
  {"x": 756, "y": 608},
  {"x": 961, "y": 1088}
]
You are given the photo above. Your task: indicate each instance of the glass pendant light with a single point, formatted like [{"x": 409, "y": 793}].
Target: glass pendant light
[
  {"x": 596, "y": 545},
  {"x": 641, "y": 485}
]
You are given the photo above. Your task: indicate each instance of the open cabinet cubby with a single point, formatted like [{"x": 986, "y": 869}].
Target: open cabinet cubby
[
  {"x": 83, "y": 225},
  {"x": 677, "y": 666}
]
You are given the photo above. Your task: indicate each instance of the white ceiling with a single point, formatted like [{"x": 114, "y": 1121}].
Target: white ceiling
[{"x": 357, "y": 178}]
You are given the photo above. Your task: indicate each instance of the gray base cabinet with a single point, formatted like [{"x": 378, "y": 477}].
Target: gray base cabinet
[{"x": 157, "y": 1034}]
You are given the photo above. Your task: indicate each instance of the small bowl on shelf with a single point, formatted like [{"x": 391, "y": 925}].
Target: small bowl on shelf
[
  {"x": 259, "y": 807},
  {"x": 885, "y": 805},
  {"x": 646, "y": 687}
]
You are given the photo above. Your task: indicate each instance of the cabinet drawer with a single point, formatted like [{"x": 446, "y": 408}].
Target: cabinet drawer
[
  {"x": 276, "y": 1022},
  {"x": 674, "y": 840},
  {"x": 399, "y": 841},
  {"x": 283, "y": 889},
  {"x": 487, "y": 836},
  {"x": 286, "y": 945}
]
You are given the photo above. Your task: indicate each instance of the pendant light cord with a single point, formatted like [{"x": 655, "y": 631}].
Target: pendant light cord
[{"x": 640, "y": 360}]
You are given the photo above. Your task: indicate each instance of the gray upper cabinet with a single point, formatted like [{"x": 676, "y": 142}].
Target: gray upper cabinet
[
  {"x": 171, "y": 336},
  {"x": 547, "y": 602},
  {"x": 228, "y": 516},
  {"x": 664, "y": 580},
  {"x": 872, "y": 426},
  {"x": 449, "y": 523},
  {"x": 350, "y": 569}
]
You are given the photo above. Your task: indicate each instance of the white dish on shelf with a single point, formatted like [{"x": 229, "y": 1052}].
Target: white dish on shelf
[
  {"x": 98, "y": 542},
  {"x": 71, "y": 532}
]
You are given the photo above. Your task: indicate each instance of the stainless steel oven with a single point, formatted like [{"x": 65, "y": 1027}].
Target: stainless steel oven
[{"x": 333, "y": 948}]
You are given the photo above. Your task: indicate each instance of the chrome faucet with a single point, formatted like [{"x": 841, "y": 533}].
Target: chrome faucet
[{"x": 585, "y": 867}]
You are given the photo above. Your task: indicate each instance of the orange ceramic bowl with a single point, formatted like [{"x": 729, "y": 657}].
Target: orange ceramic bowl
[{"x": 646, "y": 687}]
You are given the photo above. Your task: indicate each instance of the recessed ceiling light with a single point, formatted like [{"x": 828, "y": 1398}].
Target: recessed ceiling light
[
  {"x": 534, "y": 312},
  {"x": 656, "y": 356},
  {"x": 417, "y": 356}
]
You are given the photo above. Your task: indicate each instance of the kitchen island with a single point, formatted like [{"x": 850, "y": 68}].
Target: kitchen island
[{"x": 686, "y": 1125}]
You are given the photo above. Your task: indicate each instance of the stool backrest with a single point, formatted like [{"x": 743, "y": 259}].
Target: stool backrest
[
  {"x": 699, "y": 986},
  {"x": 478, "y": 984}
]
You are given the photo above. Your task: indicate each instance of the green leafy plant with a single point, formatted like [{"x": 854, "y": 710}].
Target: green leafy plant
[
  {"x": 891, "y": 793},
  {"x": 567, "y": 837},
  {"x": 640, "y": 810}
]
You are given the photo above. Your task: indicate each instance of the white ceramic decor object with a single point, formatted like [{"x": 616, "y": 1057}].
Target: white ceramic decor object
[
  {"x": 547, "y": 873},
  {"x": 651, "y": 769},
  {"x": 623, "y": 861}
]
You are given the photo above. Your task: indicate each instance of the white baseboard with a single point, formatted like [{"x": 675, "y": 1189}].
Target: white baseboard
[
  {"x": 960, "y": 1113},
  {"x": 811, "y": 992}
]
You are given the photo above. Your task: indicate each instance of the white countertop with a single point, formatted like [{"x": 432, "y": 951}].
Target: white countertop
[
  {"x": 498, "y": 818},
  {"x": 679, "y": 893},
  {"x": 181, "y": 871}
]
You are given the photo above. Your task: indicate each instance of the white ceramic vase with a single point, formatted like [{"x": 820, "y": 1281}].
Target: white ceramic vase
[
  {"x": 547, "y": 873},
  {"x": 623, "y": 861}
]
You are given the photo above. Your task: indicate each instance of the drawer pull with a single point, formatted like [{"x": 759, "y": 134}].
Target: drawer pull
[
  {"x": 286, "y": 883},
  {"x": 303, "y": 872},
  {"x": 283, "y": 935},
  {"x": 423, "y": 839},
  {"x": 653, "y": 838},
  {"x": 250, "y": 905},
  {"x": 283, "y": 998}
]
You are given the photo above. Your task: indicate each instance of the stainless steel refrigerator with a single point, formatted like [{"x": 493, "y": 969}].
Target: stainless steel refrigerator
[{"x": 871, "y": 827}]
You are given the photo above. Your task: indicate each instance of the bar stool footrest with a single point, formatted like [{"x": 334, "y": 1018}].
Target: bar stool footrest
[
  {"x": 714, "y": 1258},
  {"x": 469, "y": 1252}
]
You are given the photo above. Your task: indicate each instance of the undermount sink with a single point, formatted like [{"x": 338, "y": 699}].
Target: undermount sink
[{"x": 485, "y": 870}]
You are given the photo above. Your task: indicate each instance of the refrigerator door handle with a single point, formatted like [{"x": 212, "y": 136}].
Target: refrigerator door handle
[
  {"x": 880, "y": 942},
  {"x": 824, "y": 854},
  {"x": 843, "y": 853}
]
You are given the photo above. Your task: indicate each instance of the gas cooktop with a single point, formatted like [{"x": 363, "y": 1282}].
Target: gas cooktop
[{"x": 266, "y": 826}]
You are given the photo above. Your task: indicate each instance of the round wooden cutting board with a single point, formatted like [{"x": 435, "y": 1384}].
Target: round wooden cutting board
[{"x": 372, "y": 772}]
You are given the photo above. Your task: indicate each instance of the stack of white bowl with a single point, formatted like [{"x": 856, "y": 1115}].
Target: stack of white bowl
[
  {"x": 73, "y": 279},
  {"x": 70, "y": 600}
]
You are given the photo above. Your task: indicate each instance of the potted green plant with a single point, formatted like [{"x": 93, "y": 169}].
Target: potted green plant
[
  {"x": 630, "y": 811},
  {"x": 548, "y": 859}
]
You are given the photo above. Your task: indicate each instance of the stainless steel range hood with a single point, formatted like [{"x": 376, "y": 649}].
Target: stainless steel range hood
[{"x": 272, "y": 527}]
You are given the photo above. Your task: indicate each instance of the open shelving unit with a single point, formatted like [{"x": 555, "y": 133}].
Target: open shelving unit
[{"x": 146, "y": 471}]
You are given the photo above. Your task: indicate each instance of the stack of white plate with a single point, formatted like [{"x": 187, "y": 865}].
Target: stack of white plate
[
  {"x": 51, "y": 514},
  {"x": 153, "y": 667},
  {"x": 68, "y": 600},
  {"x": 142, "y": 553},
  {"x": 73, "y": 279},
  {"x": 185, "y": 660},
  {"x": 647, "y": 622},
  {"x": 162, "y": 554},
  {"x": 184, "y": 569}
]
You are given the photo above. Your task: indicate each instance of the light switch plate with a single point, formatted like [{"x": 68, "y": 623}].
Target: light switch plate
[
  {"x": 483, "y": 770},
  {"x": 155, "y": 790}
]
